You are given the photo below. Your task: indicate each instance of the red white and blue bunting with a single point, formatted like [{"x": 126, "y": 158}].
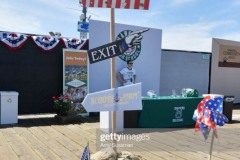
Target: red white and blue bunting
[
  {"x": 15, "y": 41},
  {"x": 45, "y": 43},
  {"x": 74, "y": 43}
]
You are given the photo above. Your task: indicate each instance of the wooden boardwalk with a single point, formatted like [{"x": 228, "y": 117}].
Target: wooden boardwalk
[{"x": 39, "y": 137}]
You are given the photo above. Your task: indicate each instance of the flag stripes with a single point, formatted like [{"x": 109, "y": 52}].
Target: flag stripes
[{"x": 124, "y": 4}]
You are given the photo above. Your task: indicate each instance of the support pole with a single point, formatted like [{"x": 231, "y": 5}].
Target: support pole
[
  {"x": 113, "y": 74},
  {"x": 211, "y": 147}
]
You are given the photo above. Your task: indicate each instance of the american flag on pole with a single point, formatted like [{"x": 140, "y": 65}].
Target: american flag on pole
[
  {"x": 208, "y": 115},
  {"x": 86, "y": 154},
  {"x": 124, "y": 4}
]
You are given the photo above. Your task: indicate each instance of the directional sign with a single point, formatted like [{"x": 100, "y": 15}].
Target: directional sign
[
  {"x": 116, "y": 48},
  {"x": 116, "y": 99},
  {"x": 107, "y": 51},
  {"x": 124, "y": 4}
]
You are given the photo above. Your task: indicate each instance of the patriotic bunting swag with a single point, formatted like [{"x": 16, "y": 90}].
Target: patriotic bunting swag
[
  {"x": 15, "y": 41},
  {"x": 73, "y": 43},
  {"x": 45, "y": 43},
  {"x": 208, "y": 115}
]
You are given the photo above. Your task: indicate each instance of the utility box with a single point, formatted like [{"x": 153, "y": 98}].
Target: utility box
[
  {"x": 228, "y": 107},
  {"x": 8, "y": 107}
]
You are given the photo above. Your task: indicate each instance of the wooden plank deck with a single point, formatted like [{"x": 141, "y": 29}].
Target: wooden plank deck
[{"x": 39, "y": 137}]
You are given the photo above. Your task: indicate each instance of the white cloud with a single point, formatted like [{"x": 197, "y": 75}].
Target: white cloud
[
  {"x": 13, "y": 21},
  {"x": 235, "y": 36},
  {"x": 153, "y": 13},
  {"x": 194, "y": 37},
  {"x": 193, "y": 41},
  {"x": 39, "y": 17},
  {"x": 181, "y": 2},
  {"x": 60, "y": 4}
]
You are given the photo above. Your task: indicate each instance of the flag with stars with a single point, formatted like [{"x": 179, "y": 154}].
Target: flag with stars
[
  {"x": 214, "y": 104},
  {"x": 218, "y": 118},
  {"x": 209, "y": 114},
  {"x": 86, "y": 154}
]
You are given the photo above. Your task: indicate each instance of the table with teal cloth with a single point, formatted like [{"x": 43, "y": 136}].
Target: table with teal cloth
[{"x": 166, "y": 111}]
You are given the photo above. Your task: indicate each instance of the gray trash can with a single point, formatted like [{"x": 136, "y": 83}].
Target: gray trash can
[
  {"x": 8, "y": 107},
  {"x": 228, "y": 107}
]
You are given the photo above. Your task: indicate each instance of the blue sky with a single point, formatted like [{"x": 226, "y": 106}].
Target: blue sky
[{"x": 185, "y": 24}]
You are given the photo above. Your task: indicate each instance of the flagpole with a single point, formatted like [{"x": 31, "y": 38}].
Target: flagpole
[
  {"x": 211, "y": 147},
  {"x": 113, "y": 73},
  {"x": 88, "y": 150}
]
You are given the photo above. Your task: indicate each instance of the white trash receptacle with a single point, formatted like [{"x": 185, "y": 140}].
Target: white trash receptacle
[{"x": 8, "y": 107}]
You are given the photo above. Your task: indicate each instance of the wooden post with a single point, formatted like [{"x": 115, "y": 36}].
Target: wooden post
[{"x": 113, "y": 73}]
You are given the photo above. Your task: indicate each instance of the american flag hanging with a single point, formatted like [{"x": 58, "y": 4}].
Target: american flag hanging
[
  {"x": 124, "y": 4},
  {"x": 208, "y": 115}
]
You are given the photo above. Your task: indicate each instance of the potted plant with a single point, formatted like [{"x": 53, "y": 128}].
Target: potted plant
[{"x": 62, "y": 105}]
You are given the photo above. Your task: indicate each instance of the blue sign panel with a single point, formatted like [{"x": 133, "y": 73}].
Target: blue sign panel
[{"x": 83, "y": 26}]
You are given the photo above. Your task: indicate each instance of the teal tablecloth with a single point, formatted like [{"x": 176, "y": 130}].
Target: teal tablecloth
[{"x": 165, "y": 111}]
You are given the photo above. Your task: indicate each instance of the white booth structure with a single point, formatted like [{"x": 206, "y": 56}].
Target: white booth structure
[
  {"x": 149, "y": 54},
  {"x": 8, "y": 107}
]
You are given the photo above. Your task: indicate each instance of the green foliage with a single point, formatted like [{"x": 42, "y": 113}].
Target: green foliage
[{"x": 62, "y": 105}]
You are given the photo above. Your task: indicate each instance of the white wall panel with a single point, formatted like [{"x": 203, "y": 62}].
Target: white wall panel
[
  {"x": 224, "y": 80},
  {"x": 184, "y": 69},
  {"x": 147, "y": 65}
]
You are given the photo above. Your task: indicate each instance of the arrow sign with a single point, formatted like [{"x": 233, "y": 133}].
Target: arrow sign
[
  {"x": 107, "y": 51},
  {"x": 124, "y": 4},
  {"x": 116, "y": 48},
  {"x": 116, "y": 99}
]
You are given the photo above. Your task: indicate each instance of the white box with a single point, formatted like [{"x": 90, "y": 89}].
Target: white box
[{"x": 8, "y": 107}]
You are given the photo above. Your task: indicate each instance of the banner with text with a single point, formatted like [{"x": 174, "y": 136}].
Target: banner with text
[
  {"x": 229, "y": 56},
  {"x": 75, "y": 77}
]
